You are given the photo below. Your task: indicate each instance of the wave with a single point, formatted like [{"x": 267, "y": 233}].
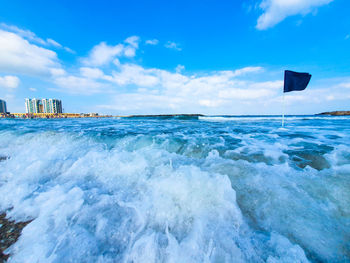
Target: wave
[
  {"x": 270, "y": 118},
  {"x": 116, "y": 192},
  {"x": 167, "y": 117}
]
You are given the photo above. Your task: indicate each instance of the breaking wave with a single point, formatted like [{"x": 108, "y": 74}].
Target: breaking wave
[{"x": 136, "y": 190}]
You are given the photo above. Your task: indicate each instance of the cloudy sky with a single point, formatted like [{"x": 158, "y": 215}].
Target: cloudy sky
[{"x": 198, "y": 56}]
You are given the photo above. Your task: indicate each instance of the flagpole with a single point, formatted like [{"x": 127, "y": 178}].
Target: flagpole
[
  {"x": 293, "y": 81},
  {"x": 283, "y": 110}
]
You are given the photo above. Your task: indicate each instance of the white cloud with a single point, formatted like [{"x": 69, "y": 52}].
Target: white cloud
[
  {"x": 133, "y": 41},
  {"x": 129, "y": 52},
  {"x": 156, "y": 89},
  {"x": 116, "y": 62},
  {"x": 173, "y": 45},
  {"x": 79, "y": 85},
  {"x": 254, "y": 91},
  {"x": 9, "y": 82},
  {"x": 344, "y": 85},
  {"x": 213, "y": 103},
  {"x": 179, "y": 68},
  {"x": 103, "y": 54},
  {"x": 23, "y": 33},
  {"x": 317, "y": 96},
  {"x": 92, "y": 73},
  {"x": 152, "y": 42},
  {"x": 33, "y": 89},
  {"x": 133, "y": 74},
  {"x": 238, "y": 91},
  {"x": 8, "y": 86},
  {"x": 276, "y": 11},
  {"x": 19, "y": 56},
  {"x": 164, "y": 91},
  {"x": 246, "y": 70},
  {"x": 56, "y": 72},
  {"x": 69, "y": 50},
  {"x": 53, "y": 43},
  {"x": 32, "y": 37},
  {"x": 132, "y": 88}
]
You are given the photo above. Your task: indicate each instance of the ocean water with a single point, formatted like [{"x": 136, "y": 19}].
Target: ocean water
[{"x": 212, "y": 189}]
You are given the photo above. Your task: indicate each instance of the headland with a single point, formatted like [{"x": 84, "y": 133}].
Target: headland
[{"x": 335, "y": 113}]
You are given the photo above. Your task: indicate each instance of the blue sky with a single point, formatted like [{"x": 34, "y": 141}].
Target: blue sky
[{"x": 140, "y": 57}]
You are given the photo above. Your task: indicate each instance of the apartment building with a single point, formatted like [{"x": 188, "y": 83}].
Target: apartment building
[
  {"x": 43, "y": 106},
  {"x": 3, "y": 108}
]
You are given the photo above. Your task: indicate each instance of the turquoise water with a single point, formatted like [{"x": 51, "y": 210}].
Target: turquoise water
[{"x": 213, "y": 189}]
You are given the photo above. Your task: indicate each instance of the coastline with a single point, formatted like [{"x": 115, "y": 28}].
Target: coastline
[
  {"x": 89, "y": 115},
  {"x": 165, "y": 116},
  {"x": 335, "y": 113}
]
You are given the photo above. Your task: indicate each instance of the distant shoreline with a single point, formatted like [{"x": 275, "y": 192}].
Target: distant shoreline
[
  {"x": 165, "y": 116},
  {"x": 335, "y": 113}
]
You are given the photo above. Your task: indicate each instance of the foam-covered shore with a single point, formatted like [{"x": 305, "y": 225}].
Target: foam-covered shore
[{"x": 174, "y": 190}]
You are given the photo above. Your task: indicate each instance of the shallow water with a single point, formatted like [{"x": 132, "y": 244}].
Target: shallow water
[{"x": 213, "y": 189}]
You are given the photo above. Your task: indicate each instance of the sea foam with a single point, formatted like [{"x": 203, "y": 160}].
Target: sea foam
[{"x": 176, "y": 191}]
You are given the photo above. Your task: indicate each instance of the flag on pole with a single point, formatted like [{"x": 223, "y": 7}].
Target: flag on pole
[{"x": 295, "y": 80}]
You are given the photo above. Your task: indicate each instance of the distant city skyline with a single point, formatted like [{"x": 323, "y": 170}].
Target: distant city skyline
[
  {"x": 43, "y": 106},
  {"x": 159, "y": 57}
]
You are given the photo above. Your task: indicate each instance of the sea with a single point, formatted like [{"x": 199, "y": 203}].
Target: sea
[{"x": 178, "y": 189}]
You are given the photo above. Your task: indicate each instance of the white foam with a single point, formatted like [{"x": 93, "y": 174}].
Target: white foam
[
  {"x": 158, "y": 198},
  {"x": 267, "y": 118}
]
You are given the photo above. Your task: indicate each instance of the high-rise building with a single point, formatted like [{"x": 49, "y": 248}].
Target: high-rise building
[
  {"x": 29, "y": 106},
  {"x": 32, "y": 105},
  {"x": 3, "y": 108},
  {"x": 46, "y": 105},
  {"x": 55, "y": 105},
  {"x": 43, "y": 106}
]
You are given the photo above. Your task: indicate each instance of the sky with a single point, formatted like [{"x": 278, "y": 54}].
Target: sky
[{"x": 161, "y": 57}]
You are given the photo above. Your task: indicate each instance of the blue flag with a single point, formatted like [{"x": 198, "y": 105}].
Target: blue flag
[{"x": 295, "y": 80}]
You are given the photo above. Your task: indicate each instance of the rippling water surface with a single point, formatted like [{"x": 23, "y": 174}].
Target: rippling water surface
[{"x": 213, "y": 189}]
